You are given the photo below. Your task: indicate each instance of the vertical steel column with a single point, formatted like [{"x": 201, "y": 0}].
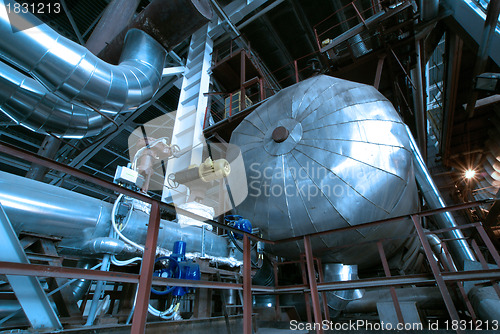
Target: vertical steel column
[
  {"x": 296, "y": 67},
  {"x": 247, "y": 287},
  {"x": 324, "y": 299},
  {"x": 277, "y": 308},
  {"x": 243, "y": 103},
  {"x": 419, "y": 105},
  {"x": 488, "y": 243},
  {"x": 454, "y": 45},
  {"x": 378, "y": 74},
  {"x": 146, "y": 274},
  {"x": 484, "y": 265},
  {"x": 261, "y": 86},
  {"x": 435, "y": 271},
  {"x": 48, "y": 149},
  {"x": 460, "y": 285},
  {"x": 306, "y": 294},
  {"x": 387, "y": 273},
  {"x": 312, "y": 282}
]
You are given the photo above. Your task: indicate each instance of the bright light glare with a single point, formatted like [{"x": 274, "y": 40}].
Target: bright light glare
[
  {"x": 469, "y": 174},
  {"x": 269, "y": 305}
]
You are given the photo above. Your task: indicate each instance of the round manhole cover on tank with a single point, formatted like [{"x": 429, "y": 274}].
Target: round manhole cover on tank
[{"x": 327, "y": 153}]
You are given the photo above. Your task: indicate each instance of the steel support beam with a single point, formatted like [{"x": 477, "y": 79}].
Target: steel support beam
[
  {"x": 436, "y": 272},
  {"x": 247, "y": 285},
  {"x": 378, "y": 74},
  {"x": 114, "y": 19},
  {"x": 483, "y": 52},
  {"x": 27, "y": 289},
  {"x": 312, "y": 283},
  {"x": 387, "y": 273},
  {"x": 48, "y": 149},
  {"x": 146, "y": 274},
  {"x": 418, "y": 102}
]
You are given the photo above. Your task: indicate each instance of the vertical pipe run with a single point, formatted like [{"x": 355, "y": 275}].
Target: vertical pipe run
[
  {"x": 97, "y": 293},
  {"x": 418, "y": 101},
  {"x": 116, "y": 16},
  {"x": 247, "y": 286},
  {"x": 312, "y": 283},
  {"x": 460, "y": 249},
  {"x": 146, "y": 274}
]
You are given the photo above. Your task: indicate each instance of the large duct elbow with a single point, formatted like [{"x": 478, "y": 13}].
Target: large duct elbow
[
  {"x": 73, "y": 72},
  {"x": 30, "y": 104}
]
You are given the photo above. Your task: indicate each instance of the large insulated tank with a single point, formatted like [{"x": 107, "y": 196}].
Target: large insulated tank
[{"x": 323, "y": 154}]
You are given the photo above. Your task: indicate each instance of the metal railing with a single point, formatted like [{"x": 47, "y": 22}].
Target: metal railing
[{"x": 441, "y": 274}]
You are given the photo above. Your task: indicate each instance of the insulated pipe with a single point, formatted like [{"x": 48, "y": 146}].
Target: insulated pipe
[
  {"x": 73, "y": 72},
  {"x": 458, "y": 245},
  {"x": 75, "y": 218},
  {"x": 425, "y": 297},
  {"x": 30, "y": 104},
  {"x": 168, "y": 21}
]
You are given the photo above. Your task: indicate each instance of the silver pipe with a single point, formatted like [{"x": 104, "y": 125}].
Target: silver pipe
[
  {"x": 30, "y": 104},
  {"x": 47, "y": 210},
  {"x": 336, "y": 272},
  {"x": 108, "y": 245},
  {"x": 459, "y": 248},
  {"x": 73, "y": 72},
  {"x": 438, "y": 250},
  {"x": 81, "y": 286},
  {"x": 425, "y": 297},
  {"x": 100, "y": 285}
]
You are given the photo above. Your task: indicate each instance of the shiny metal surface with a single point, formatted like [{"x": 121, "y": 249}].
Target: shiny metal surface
[
  {"x": 168, "y": 21},
  {"x": 425, "y": 297},
  {"x": 30, "y": 104},
  {"x": 459, "y": 248},
  {"x": 346, "y": 161},
  {"x": 429, "y": 9},
  {"x": 47, "y": 210},
  {"x": 73, "y": 72},
  {"x": 107, "y": 245},
  {"x": 336, "y": 272},
  {"x": 28, "y": 290}
]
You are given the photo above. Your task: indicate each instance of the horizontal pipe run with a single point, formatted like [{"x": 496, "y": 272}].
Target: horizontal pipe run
[{"x": 34, "y": 158}]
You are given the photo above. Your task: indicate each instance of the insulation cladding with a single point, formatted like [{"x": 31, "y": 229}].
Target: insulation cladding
[{"x": 323, "y": 154}]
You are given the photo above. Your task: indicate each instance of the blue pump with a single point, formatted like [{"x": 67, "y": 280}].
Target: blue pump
[
  {"x": 239, "y": 223},
  {"x": 178, "y": 267}
]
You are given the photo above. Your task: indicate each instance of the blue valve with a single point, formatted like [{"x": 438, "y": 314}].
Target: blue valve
[
  {"x": 239, "y": 223},
  {"x": 178, "y": 267}
]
